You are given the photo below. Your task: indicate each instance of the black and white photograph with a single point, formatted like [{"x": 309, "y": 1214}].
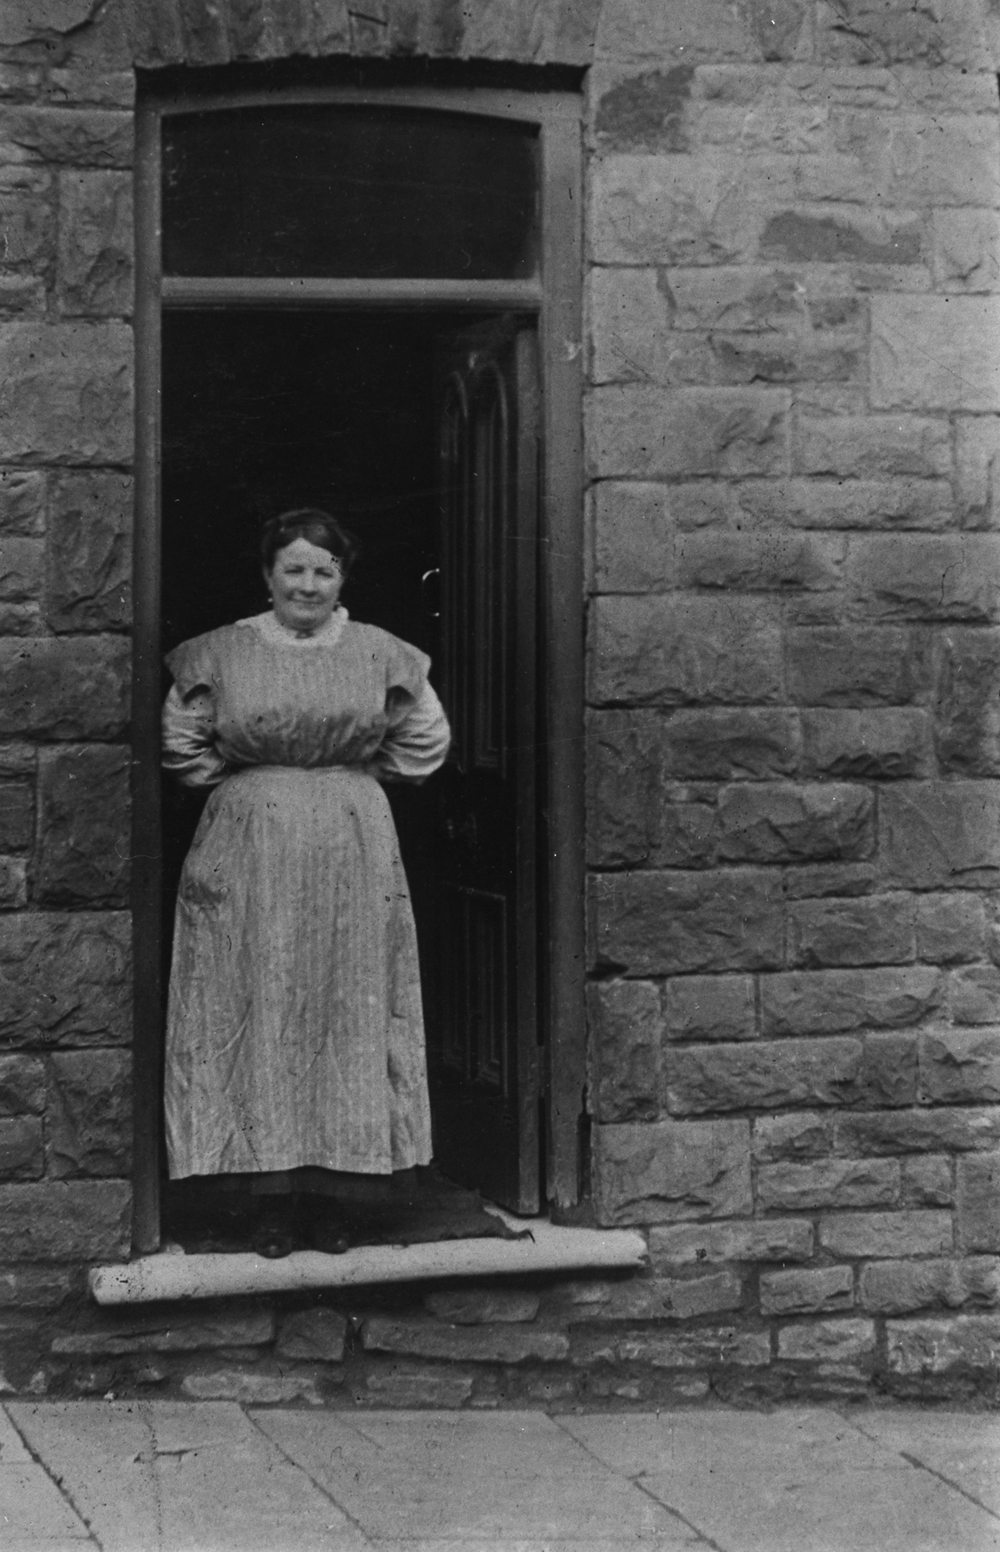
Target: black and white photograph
[{"x": 500, "y": 775}]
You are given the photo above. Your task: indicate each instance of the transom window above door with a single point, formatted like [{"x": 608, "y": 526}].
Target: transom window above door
[{"x": 350, "y": 191}]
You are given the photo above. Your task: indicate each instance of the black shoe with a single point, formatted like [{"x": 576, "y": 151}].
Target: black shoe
[
  {"x": 326, "y": 1228},
  {"x": 274, "y": 1234}
]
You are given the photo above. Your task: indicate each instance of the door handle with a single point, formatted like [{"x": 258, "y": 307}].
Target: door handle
[{"x": 435, "y": 571}]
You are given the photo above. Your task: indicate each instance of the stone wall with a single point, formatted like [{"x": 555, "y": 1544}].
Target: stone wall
[
  {"x": 794, "y": 827},
  {"x": 65, "y": 525},
  {"x": 793, "y": 421}
]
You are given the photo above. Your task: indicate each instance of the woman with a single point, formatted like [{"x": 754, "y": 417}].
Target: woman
[{"x": 295, "y": 1042}]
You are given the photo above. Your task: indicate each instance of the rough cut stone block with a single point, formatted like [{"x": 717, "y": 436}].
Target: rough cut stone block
[
  {"x": 935, "y": 352},
  {"x": 878, "y": 744},
  {"x": 727, "y": 744},
  {"x": 670, "y": 30},
  {"x": 828, "y": 1183},
  {"x": 677, "y": 209},
  {"x": 960, "y": 1066},
  {"x": 891, "y": 504},
  {"x": 652, "y": 432},
  {"x": 64, "y": 979},
  {"x": 85, "y": 844},
  {"x": 784, "y": 823},
  {"x": 852, "y": 235},
  {"x": 247, "y": 1388},
  {"x": 877, "y": 929},
  {"x": 68, "y": 689},
  {"x": 896, "y": 1287},
  {"x": 927, "y": 1181},
  {"x": 806, "y": 1292},
  {"x": 974, "y": 995},
  {"x": 821, "y": 1002},
  {"x": 483, "y": 1306},
  {"x": 22, "y": 1085},
  {"x": 708, "y": 1346},
  {"x": 672, "y": 923},
  {"x": 621, "y": 301},
  {"x": 88, "y": 1122},
  {"x": 831, "y": 880},
  {"x": 629, "y": 821},
  {"x": 893, "y": 162},
  {"x": 316, "y": 1335},
  {"x": 418, "y": 1337},
  {"x": 977, "y": 448},
  {"x": 667, "y": 1171},
  {"x": 28, "y": 224},
  {"x": 66, "y": 392},
  {"x": 642, "y": 110},
  {"x": 763, "y": 1075},
  {"x": 671, "y": 652},
  {"x": 861, "y": 666},
  {"x": 40, "y": 1287},
  {"x": 978, "y": 1178},
  {"x": 886, "y": 1235},
  {"x": 393, "y": 1389},
  {"x": 107, "y": 88},
  {"x": 890, "y": 1072},
  {"x": 968, "y": 688},
  {"x": 710, "y": 1007},
  {"x": 21, "y": 568},
  {"x": 964, "y": 246},
  {"x": 88, "y": 137},
  {"x": 957, "y": 1342},
  {"x": 666, "y": 1299},
  {"x": 633, "y": 537},
  {"x": 626, "y": 1029},
  {"x": 760, "y": 561},
  {"x": 872, "y": 446},
  {"x": 919, "y": 1131},
  {"x": 745, "y": 298},
  {"x": 938, "y": 835},
  {"x": 168, "y": 1332},
  {"x": 803, "y": 1136},
  {"x": 828, "y": 1341},
  {"x": 23, "y": 494},
  {"x": 94, "y": 274},
  {"x": 90, "y": 554},
  {"x": 17, "y": 815},
  {"x": 758, "y": 1239},
  {"x": 66, "y": 1220},
  {"x": 882, "y": 32},
  {"x": 21, "y": 1150},
  {"x": 925, "y": 576}
]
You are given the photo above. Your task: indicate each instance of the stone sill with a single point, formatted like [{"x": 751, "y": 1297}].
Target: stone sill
[{"x": 552, "y": 1248}]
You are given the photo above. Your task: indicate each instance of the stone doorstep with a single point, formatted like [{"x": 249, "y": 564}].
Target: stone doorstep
[{"x": 551, "y": 1248}]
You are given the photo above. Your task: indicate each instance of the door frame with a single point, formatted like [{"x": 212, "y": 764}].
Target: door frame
[{"x": 556, "y": 298}]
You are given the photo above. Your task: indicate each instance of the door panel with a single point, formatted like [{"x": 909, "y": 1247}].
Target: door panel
[{"x": 484, "y": 1049}]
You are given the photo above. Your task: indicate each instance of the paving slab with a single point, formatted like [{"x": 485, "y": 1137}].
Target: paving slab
[
  {"x": 501, "y": 1477},
  {"x": 172, "y": 1476},
  {"x": 34, "y": 1515},
  {"x": 962, "y": 1447},
  {"x": 793, "y": 1481}
]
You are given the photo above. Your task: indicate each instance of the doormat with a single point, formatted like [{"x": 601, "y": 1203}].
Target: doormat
[{"x": 419, "y": 1208}]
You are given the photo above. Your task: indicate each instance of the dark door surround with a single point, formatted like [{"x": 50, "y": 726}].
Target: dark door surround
[{"x": 555, "y": 296}]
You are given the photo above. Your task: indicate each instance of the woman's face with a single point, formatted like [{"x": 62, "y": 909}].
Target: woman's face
[{"x": 305, "y": 583}]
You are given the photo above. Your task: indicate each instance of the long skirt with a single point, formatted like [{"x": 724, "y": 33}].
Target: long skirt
[{"x": 295, "y": 1031}]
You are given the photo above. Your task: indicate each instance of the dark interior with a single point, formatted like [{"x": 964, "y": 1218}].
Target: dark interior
[
  {"x": 338, "y": 189},
  {"x": 263, "y": 411}
]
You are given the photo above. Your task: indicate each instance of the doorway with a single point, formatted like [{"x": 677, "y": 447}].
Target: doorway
[
  {"x": 314, "y": 267},
  {"x": 356, "y": 412}
]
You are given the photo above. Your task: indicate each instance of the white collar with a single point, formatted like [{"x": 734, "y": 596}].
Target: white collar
[{"x": 271, "y": 628}]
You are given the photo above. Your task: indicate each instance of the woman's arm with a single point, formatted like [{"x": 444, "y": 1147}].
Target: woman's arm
[
  {"x": 189, "y": 751},
  {"x": 417, "y": 740}
]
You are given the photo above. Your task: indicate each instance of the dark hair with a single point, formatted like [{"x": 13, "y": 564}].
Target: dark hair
[{"x": 307, "y": 523}]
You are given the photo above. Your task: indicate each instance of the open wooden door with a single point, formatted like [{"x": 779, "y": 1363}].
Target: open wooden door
[{"x": 483, "y": 1036}]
